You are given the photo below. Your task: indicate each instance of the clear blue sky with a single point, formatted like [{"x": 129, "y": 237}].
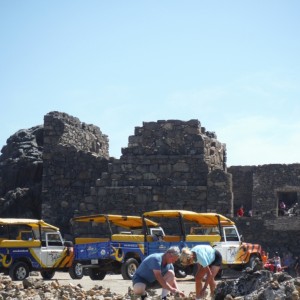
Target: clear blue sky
[{"x": 233, "y": 65}]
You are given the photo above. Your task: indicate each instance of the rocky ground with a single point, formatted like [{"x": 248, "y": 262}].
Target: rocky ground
[{"x": 258, "y": 285}]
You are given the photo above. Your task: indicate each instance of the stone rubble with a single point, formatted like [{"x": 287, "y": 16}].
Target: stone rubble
[
  {"x": 251, "y": 285},
  {"x": 259, "y": 285},
  {"x": 37, "y": 289}
]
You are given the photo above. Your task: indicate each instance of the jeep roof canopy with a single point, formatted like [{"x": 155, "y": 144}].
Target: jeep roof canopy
[
  {"x": 30, "y": 222},
  {"x": 118, "y": 220},
  {"x": 212, "y": 219}
]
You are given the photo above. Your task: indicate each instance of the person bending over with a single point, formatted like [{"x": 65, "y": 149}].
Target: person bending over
[
  {"x": 157, "y": 271},
  {"x": 208, "y": 262}
]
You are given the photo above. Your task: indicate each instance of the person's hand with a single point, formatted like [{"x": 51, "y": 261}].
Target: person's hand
[
  {"x": 203, "y": 293},
  {"x": 176, "y": 291},
  {"x": 181, "y": 293}
]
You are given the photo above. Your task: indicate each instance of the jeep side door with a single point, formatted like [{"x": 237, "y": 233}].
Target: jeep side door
[
  {"x": 52, "y": 248},
  {"x": 229, "y": 246}
]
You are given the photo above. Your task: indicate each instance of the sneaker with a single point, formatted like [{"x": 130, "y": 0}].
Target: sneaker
[{"x": 144, "y": 297}]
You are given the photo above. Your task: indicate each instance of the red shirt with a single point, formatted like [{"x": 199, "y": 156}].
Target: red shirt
[{"x": 240, "y": 212}]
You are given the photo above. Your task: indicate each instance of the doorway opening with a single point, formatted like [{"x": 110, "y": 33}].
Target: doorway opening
[{"x": 288, "y": 198}]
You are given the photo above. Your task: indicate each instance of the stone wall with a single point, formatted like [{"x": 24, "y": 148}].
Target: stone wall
[
  {"x": 219, "y": 193},
  {"x": 260, "y": 187},
  {"x": 269, "y": 181},
  {"x": 165, "y": 166},
  {"x": 168, "y": 164},
  {"x": 277, "y": 234},
  {"x": 21, "y": 169},
  {"x": 75, "y": 154}
]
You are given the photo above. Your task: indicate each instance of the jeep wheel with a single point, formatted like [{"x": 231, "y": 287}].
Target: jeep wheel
[
  {"x": 96, "y": 274},
  {"x": 128, "y": 268},
  {"x": 76, "y": 271},
  {"x": 179, "y": 273},
  {"x": 19, "y": 271},
  {"x": 47, "y": 275},
  {"x": 251, "y": 263}
]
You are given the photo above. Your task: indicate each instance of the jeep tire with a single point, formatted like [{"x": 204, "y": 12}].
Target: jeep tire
[
  {"x": 47, "y": 274},
  {"x": 19, "y": 271},
  {"x": 179, "y": 273},
  {"x": 96, "y": 274},
  {"x": 128, "y": 268},
  {"x": 76, "y": 270},
  {"x": 251, "y": 262}
]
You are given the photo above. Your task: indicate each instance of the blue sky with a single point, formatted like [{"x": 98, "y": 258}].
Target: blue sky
[{"x": 233, "y": 65}]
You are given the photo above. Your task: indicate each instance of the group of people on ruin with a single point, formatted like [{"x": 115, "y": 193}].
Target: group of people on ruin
[
  {"x": 283, "y": 210},
  {"x": 241, "y": 212},
  {"x": 286, "y": 263}
]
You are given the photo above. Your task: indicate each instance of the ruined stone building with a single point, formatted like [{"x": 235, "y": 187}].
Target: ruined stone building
[{"x": 62, "y": 168}]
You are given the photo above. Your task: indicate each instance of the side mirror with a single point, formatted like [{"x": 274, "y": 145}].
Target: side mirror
[{"x": 241, "y": 238}]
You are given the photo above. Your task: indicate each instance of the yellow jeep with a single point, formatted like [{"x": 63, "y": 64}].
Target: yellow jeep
[
  {"x": 30, "y": 244},
  {"x": 187, "y": 229}
]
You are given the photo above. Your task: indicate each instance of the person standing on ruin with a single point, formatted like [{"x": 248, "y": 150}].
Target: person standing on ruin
[
  {"x": 297, "y": 266},
  {"x": 208, "y": 263},
  {"x": 282, "y": 208},
  {"x": 287, "y": 262},
  {"x": 277, "y": 262},
  {"x": 264, "y": 257},
  {"x": 240, "y": 212}
]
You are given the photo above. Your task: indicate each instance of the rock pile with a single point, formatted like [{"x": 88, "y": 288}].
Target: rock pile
[
  {"x": 260, "y": 285},
  {"x": 38, "y": 289}
]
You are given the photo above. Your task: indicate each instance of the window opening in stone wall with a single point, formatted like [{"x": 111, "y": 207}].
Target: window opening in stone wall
[{"x": 287, "y": 201}]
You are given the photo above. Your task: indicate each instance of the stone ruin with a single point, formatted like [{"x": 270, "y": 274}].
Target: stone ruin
[
  {"x": 37, "y": 289},
  {"x": 167, "y": 165},
  {"x": 62, "y": 168},
  {"x": 260, "y": 285},
  {"x": 21, "y": 171}
]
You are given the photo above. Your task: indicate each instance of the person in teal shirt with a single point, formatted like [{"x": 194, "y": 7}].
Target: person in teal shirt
[
  {"x": 208, "y": 262},
  {"x": 157, "y": 270}
]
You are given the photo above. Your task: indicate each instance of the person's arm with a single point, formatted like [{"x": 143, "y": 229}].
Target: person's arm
[
  {"x": 207, "y": 280},
  {"x": 164, "y": 284}
]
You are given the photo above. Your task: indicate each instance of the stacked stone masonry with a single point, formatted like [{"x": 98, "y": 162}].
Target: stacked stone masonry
[
  {"x": 165, "y": 166},
  {"x": 21, "y": 170},
  {"x": 168, "y": 164},
  {"x": 75, "y": 154}
]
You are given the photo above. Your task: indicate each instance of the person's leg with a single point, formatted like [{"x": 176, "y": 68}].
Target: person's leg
[
  {"x": 139, "y": 289},
  {"x": 170, "y": 278},
  {"x": 199, "y": 275},
  {"x": 212, "y": 282}
]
